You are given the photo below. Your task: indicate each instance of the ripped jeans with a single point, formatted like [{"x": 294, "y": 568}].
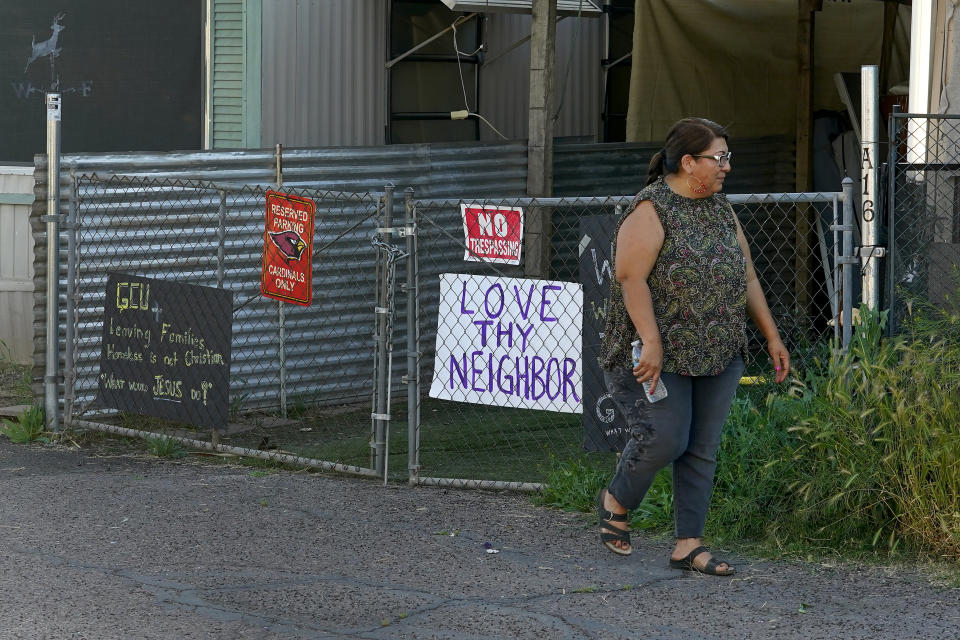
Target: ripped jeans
[{"x": 684, "y": 429}]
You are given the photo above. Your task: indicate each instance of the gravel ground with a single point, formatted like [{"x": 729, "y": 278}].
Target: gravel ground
[{"x": 101, "y": 546}]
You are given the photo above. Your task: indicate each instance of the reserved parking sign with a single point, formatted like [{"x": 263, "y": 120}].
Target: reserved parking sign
[{"x": 288, "y": 249}]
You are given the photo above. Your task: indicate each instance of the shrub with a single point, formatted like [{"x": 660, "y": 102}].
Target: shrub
[
  {"x": 862, "y": 453},
  {"x": 29, "y": 428}
]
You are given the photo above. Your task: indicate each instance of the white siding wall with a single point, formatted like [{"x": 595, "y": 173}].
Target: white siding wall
[{"x": 16, "y": 263}]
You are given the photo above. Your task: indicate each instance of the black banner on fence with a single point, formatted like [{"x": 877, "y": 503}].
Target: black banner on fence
[
  {"x": 129, "y": 73},
  {"x": 166, "y": 350},
  {"x": 603, "y": 427}
]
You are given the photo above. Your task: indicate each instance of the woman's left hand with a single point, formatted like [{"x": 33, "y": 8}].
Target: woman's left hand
[{"x": 780, "y": 357}]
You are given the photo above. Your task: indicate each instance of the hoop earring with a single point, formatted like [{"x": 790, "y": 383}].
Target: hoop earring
[{"x": 697, "y": 190}]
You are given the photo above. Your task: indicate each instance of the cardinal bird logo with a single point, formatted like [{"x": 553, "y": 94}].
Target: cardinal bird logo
[{"x": 290, "y": 243}]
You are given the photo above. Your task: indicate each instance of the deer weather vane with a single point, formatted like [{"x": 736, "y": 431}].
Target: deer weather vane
[{"x": 49, "y": 46}]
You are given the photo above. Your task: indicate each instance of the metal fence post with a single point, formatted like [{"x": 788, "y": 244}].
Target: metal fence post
[
  {"x": 413, "y": 342},
  {"x": 870, "y": 253},
  {"x": 893, "y": 135},
  {"x": 281, "y": 315},
  {"x": 221, "y": 237},
  {"x": 847, "y": 262},
  {"x": 51, "y": 404},
  {"x": 381, "y": 415},
  {"x": 69, "y": 366}
]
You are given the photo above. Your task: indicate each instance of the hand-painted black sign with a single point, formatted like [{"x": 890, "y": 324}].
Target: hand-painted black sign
[
  {"x": 603, "y": 427},
  {"x": 166, "y": 350}
]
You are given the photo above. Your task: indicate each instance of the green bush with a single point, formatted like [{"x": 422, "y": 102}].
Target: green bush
[
  {"x": 862, "y": 453},
  {"x": 29, "y": 428}
]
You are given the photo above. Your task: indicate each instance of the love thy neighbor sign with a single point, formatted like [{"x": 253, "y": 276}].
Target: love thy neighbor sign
[{"x": 509, "y": 342}]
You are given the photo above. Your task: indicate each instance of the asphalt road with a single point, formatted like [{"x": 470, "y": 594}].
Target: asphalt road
[{"x": 103, "y": 547}]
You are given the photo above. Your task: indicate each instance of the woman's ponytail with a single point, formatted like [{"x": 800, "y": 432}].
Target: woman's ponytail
[{"x": 657, "y": 165}]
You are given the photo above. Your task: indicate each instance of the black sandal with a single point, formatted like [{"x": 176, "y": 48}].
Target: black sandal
[
  {"x": 607, "y": 538},
  {"x": 710, "y": 568}
]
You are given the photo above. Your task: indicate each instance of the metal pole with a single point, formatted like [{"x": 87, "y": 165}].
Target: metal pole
[
  {"x": 893, "y": 134},
  {"x": 413, "y": 342},
  {"x": 69, "y": 369},
  {"x": 221, "y": 237},
  {"x": 382, "y": 415},
  {"x": 836, "y": 295},
  {"x": 870, "y": 253},
  {"x": 281, "y": 314},
  {"x": 847, "y": 263},
  {"x": 51, "y": 405}
]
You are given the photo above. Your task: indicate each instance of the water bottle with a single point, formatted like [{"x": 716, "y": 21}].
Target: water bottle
[{"x": 661, "y": 391}]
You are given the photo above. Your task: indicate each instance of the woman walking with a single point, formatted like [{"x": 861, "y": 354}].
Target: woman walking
[{"x": 676, "y": 322}]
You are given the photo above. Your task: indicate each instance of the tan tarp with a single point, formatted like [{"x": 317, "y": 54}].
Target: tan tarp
[{"x": 735, "y": 61}]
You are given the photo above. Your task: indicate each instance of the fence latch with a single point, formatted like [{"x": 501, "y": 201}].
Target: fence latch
[
  {"x": 871, "y": 252},
  {"x": 402, "y": 232}
]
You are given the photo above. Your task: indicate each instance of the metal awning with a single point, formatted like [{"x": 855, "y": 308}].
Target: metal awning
[{"x": 585, "y": 8}]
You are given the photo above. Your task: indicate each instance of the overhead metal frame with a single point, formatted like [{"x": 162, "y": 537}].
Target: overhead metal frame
[{"x": 584, "y": 8}]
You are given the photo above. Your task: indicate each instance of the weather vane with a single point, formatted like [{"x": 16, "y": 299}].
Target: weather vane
[{"x": 48, "y": 48}]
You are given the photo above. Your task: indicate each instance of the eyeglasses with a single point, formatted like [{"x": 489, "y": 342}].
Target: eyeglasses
[{"x": 723, "y": 159}]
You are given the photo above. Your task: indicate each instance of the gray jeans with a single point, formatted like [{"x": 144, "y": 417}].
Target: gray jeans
[{"x": 684, "y": 429}]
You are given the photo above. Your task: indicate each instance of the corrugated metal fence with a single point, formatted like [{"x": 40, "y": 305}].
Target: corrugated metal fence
[
  {"x": 143, "y": 214},
  {"x": 433, "y": 170}
]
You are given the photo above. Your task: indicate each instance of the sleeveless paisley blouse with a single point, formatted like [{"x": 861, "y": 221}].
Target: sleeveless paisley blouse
[{"x": 698, "y": 285}]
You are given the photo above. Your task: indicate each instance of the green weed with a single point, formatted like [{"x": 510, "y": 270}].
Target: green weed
[
  {"x": 29, "y": 428},
  {"x": 164, "y": 447},
  {"x": 572, "y": 485}
]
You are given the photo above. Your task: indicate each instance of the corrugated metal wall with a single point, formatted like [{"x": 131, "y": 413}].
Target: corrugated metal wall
[
  {"x": 16, "y": 266},
  {"x": 453, "y": 170},
  {"x": 324, "y": 81},
  {"x": 760, "y": 165},
  {"x": 505, "y": 77},
  {"x": 150, "y": 248},
  {"x": 165, "y": 232}
]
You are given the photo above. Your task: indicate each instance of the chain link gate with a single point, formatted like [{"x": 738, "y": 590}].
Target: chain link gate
[
  {"x": 299, "y": 376},
  {"x": 924, "y": 204},
  {"x": 795, "y": 242},
  {"x": 211, "y": 234}
]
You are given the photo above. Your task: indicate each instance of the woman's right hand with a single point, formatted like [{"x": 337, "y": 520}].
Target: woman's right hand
[{"x": 650, "y": 364}]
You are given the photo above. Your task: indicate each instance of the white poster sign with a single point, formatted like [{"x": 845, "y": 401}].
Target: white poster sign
[{"x": 509, "y": 342}]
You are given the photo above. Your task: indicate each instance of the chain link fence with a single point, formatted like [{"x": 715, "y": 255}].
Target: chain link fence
[
  {"x": 169, "y": 338},
  {"x": 924, "y": 198},
  {"x": 493, "y": 339},
  {"x": 501, "y": 376}
]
